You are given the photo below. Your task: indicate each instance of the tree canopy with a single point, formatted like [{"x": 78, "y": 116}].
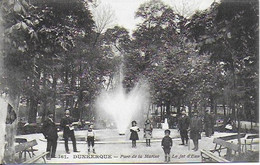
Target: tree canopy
[{"x": 57, "y": 56}]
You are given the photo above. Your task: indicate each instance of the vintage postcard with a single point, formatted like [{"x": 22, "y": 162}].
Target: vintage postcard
[{"x": 129, "y": 81}]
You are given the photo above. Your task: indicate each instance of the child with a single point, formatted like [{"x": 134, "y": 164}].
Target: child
[
  {"x": 91, "y": 138},
  {"x": 134, "y": 136},
  {"x": 167, "y": 144},
  {"x": 148, "y": 128}
]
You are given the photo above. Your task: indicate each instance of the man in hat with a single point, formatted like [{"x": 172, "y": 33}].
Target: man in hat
[
  {"x": 183, "y": 125},
  {"x": 195, "y": 130},
  {"x": 49, "y": 131},
  {"x": 68, "y": 131}
]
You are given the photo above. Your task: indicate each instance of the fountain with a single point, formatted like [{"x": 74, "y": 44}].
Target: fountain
[{"x": 122, "y": 106}]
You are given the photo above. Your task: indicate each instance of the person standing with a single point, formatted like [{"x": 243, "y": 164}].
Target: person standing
[
  {"x": 68, "y": 131},
  {"x": 183, "y": 125},
  {"x": 167, "y": 145},
  {"x": 50, "y": 133},
  {"x": 208, "y": 124},
  {"x": 195, "y": 130},
  {"x": 148, "y": 129},
  {"x": 134, "y": 135},
  {"x": 91, "y": 138}
]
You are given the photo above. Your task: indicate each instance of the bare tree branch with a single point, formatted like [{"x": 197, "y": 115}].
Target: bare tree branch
[
  {"x": 104, "y": 17},
  {"x": 185, "y": 8}
]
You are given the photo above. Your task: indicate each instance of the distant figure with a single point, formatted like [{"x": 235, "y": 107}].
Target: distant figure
[
  {"x": 91, "y": 138},
  {"x": 229, "y": 125},
  {"x": 167, "y": 145},
  {"x": 148, "y": 129},
  {"x": 208, "y": 123},
  {"x": 49, "y": 131},
  {"x": 165, "y": 125},
  {"x": 195, "y": 130},
  {"x": 68, "y": 131},
  {"x": 134, "y": 135},
  {"x": 183, "y": 125}
]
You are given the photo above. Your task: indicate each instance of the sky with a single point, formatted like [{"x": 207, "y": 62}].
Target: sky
[{"x": 125, "y": 9}]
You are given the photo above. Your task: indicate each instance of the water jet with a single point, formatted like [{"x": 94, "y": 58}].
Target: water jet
[{"x": 123, "y": 105}]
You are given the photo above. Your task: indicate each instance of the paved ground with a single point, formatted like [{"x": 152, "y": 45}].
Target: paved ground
[{"x": 117, "y": 149}]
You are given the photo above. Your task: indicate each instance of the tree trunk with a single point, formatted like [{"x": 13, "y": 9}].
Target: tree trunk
[
  {"x": 238, "y": 119},
  {"x": 168, "y": 110},
  {"x": 44, "y": 98},
  {"x": 53, "y": 100},
  {"x": 32, "y": 110},
  {"x": 224, "y": 108},
  {"x": 161, "y": 112},
  {"x": 189, "y": 111},
  {"x": 33, "y": 101},
  {"x": 215, "y": 108},
  {"x": 44, "y": 107},
  {"x": 11, "y": 128},
  {"x": 211, "y": 103},
  {"x": 233, "y": 111},
  {"x": 80, "y": 105},
  {"x": 178, "y": 106},
  {"x": 196, "y": 106}
]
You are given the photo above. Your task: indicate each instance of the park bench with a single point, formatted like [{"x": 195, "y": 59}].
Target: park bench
[
  {"x": 246, "y": 140},
  {"x": 35, "y": 158},
  {"x": 229, "y": 146},
  {"x": 249, "y": 140},
  {"x": 25, "y": 146},
  {"x": 208, "y": 156},
  {"x": 232, "y": 137}
]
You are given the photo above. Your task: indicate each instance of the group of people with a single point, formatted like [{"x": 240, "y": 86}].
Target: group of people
[
  {"x": 50, "y": 132},
  {"x": 148, "y": 128},
  {"x": 186, "y": 125},
  {"x": 195, "y": 127},
  {"x": 192, "y": 125}
]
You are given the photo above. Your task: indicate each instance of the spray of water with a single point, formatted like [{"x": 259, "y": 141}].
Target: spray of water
[{"x": 124, "y": 106}]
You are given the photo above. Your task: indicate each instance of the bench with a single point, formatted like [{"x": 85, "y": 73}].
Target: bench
[
  {"x": 222, "y": 144},
  {"x": 20, "y": 140},
  {"x": 35, "y": 158},
  {"x": 232, "y": 137},
  {"x": 249, "y": 140},
  {"x": 208, "y": 156},
  {"x": 25, "y": 147}
]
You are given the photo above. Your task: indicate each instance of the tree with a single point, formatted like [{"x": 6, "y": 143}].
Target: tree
[
  {"x": 163, "y": 54},
  {"x": 43, "y": 37},
  {"x": 104, "y": 18},
  {"x": 158, "y": 28},
  {"x": 229, "y": 32}
]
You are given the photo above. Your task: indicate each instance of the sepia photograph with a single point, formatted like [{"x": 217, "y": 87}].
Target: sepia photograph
[{"x": 129, "y": 81}]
